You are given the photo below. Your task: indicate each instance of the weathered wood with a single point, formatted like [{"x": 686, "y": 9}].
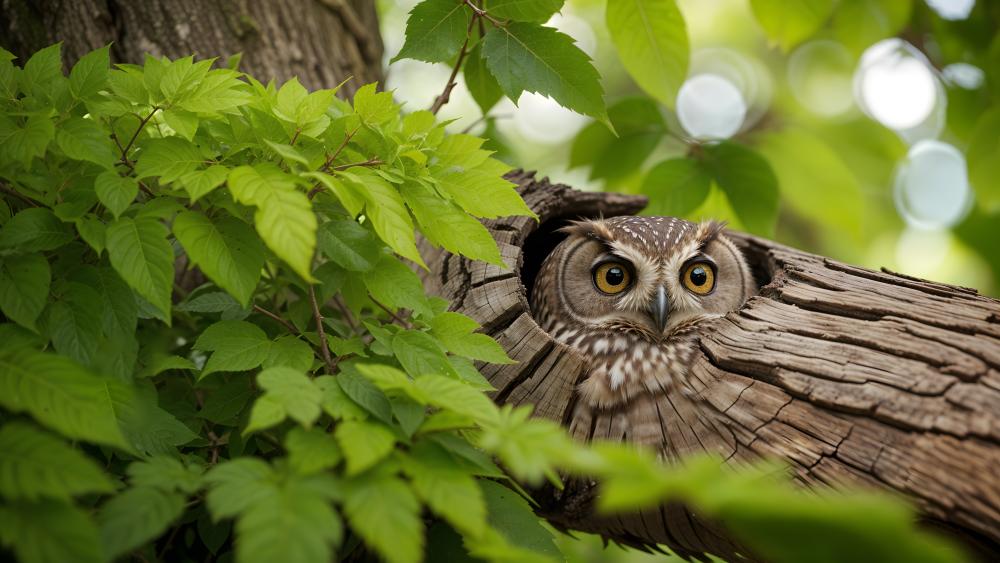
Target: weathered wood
[
  {"x": 322, "y": 42},
  {"x": 853, "y": 377}
]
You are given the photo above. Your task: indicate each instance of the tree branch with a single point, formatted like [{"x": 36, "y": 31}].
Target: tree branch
[
  {"x": 445, "y": 95},
  {"x": 323, "y": 346},
  {"x": 142, "y": 124},
  {"x": 396, "y": 318},
  {"x": 291, "y": 328}
]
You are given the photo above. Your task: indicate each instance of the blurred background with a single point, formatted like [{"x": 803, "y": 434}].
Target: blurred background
[{"x": 869, "y": 124}]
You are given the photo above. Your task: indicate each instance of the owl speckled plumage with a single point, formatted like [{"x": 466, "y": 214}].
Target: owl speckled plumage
[{"x": 629, "y": 292}]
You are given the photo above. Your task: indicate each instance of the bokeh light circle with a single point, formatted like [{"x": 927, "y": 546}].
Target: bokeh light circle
[
  {"x": 895, "y": 86},
  {"x": 747, "y": 73},
  {"x": 952, "y": 9},
  {"x": 932, "y": 186},
  {"x": 710, "y": 107},
  {"x": 964, "y": 75},
  {"x": 542, "y": 120},
  {"x": 819, "y": 77}
]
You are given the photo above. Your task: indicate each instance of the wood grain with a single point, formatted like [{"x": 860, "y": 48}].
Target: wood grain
[{"x": 854, "y": 377}]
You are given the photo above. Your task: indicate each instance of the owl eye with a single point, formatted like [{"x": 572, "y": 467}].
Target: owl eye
[
  {"x": 612, "y": 277},
  {"x": 699, "y": 278}
]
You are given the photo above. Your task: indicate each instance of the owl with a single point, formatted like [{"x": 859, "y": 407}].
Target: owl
[{"x": 629, "y": 292}]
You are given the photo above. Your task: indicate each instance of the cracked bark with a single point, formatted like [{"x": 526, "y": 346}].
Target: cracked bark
[
  {"x": 854, "y": 377},
  {"x": 322, "y": 42}
]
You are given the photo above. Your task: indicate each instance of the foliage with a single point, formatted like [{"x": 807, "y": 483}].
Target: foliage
[{"x": 213, "y": 346}]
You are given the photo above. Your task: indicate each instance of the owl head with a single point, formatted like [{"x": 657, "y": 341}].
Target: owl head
[{"x": 628, "y": 293}]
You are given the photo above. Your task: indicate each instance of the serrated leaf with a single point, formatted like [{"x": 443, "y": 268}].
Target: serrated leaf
[
  {"x": 350, "y": 245},
  {"x": 420, "y": 354},
  {"x": 288, "y": 392},
  {"x": 364, "y": 443},
  {"x": 224, "y": 404},
  {"x": 639, "y": 128},
  {"x": 34, "y": 229},
  {"x": 444, "y": 224},
  {"x": 435, "y": 31},
  {"x": 183, "y": 122},
  {"x": 456, "y": 396},
  {"x": 236, "y": 485},
  {"x": 42, "y": 70},
  {"x": 538, "y": 11},
  {"x": 90, "y": 74},
  {"x": 284, "y": 217},
  {"x": 135, "y": 517},
  {"x": 84, "y": 139},
  {"x": 291, "y": 352},
  {"x": 789, "y": 22},
  {"x": 374, "y": 107},
  {"x": 481, "y": 84},
  {"x": 148, "y": 428},
  {"x": 384, "y": 206},
  {"x": 142, "y": 256},
  {"x": 22, "y": 144},
  {"x": 529, "y": 57},
  {"x": 199, "y": 183},
  {"x": 36, "y": 464},
  {"x": 749, "y": 183},
  {"x": 365, "y": 393},
  {"x": 396, "y": 286},
  {"x": 226, "y": 249},
  {"x": 24, "y": 287},
  {"x": 347, "y": 193},
  {"x": 169, "y": 158},
  {"x": 387, "y": 516},
  {"x": 59, "y": 394},
  {"x": 74, "y": 322},
  {"x": 209, "y": 302},
  {"x": 311, "y": 451},
  {"x": 115, "y": 192},
  {"x": 93, "y": 232},
  {"x": 167, "y": 473},
  {"x": 483, "y": 191},
  {"x": 235, "y": 346},
  {"x": 49, "y": 531},
  {"x": 677, "y": 186},
  {"x": 455, "y": 331},
  {"x": 512, "y": 516},
  {"x": 220, "y": 91},
  {"x": 447, "y": 488},
  {"x": 652, "y": 44},
  {"x": 335, "y": 402}
]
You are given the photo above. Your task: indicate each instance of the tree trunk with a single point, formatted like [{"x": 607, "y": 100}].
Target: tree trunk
[
  {"x": 323, "y": 42},
  {"x": 851, "y": 376}
]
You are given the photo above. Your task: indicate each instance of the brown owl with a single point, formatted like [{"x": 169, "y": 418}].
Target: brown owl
[{"x": 629, "y": 292}]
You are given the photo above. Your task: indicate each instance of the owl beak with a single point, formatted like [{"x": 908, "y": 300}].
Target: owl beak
[{"x": 660, "y": 308}]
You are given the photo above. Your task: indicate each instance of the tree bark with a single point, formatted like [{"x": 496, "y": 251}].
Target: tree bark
[
  {"x": 853, "y": 377},
  {"x": 322, "y": 42}
]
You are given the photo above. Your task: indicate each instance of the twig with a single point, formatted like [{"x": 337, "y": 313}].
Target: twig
[
  {"x": 295, "y": 137},
  {"x": 142, "y": 124},
  {"x": 483, "y": 118},
  {"x": 396, "y": 318},
  {"x": 318, "y": 186},
  {"x": 323, "y": 346},
  {"x": 445, "y": 95},
  {"x": 274, "y": 316},
  {"x": 348, "y": 318},
  {"x": 481, "y": 13},
  {"x": 22, "y": 197},
  {"x": 370, "y": 162}
]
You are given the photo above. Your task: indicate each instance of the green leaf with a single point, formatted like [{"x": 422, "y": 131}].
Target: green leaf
[
  {"x": 225, "y": 248},
  {"x": 483, "y": 191},
  {"x": 36, "y": 464},
  {"x": 288, "y": 153},
  {"x": 455, "y": 331},
  {"x": 449, "y": 393},
  {"x": 93, "y": 232},
  {"x": 21, "y": 144},
  {"x": 90, "y": 73},
  {"x": 444, "y": 224},
  {"x": 288, "y": 392},
  {"x": 24, "y": 287},
  {"x": 749, "y": 183},
  {"x": 59, "y": 394},
  {"x": 374, "y": 107},
  {"x": 115, "y": 192},
  {"x": 396, "y": 286},
  {"x": 34, "y": 229},
  {"x": 42, "y": 70},
  {"x": 526, "y": 56},
  {"x": 983, "y": 157},
  {"x": 482, "y": 86},
  {"x": 335, "y": 402},
  {"x": 350, "y": 245},
  {"x": 199, "y": 183},
  {"x": 142, "y": 256},
  {"x": 49, "y": 531},
  {"x": 224, "y": 404},
  {"x": 169, "y": 158},
  {"x": 858, "y": 24},
  {"x": 235, "y": 346},
  {"x": 75, "y": 322},
  {"x": 538, "y": 11},
  {"x": 183, "y": 122},
  {"x": 420, "y": 354},
  {"x": 349, "y": 195},
  {"x": 284, "y": 217},
  {"x": 235, "y": 486},
  {"x": 291, "y": 352},
  {"x": 136, "y": 517},
  {"x": 511, "y": 515},
  {"x": 435, "y": 31},
  {"x": 147, "y": 427},
  {"x": 447, "y": 488},
  {"x": 311, "y": 451},
  {"x": 384, "y": 206},
  {"x": 220, "y": 91},
  {"x": 365, "y": 393},
  {"x": 652, "y": 43},
  {"x": 789, "y": 22},
  {"x": 84, "y": 139},
  {"x": 639, "y": 128},
  {"x": 167, "y": 473},
  {"x": 676, "y": 187},
  {"x": 364, "y": 444},
  {"x": 386, "y": 514}
]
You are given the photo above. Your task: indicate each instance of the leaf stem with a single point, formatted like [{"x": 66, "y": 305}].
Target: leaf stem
[
  {"x": 445, "y": 95},
  {"x": 396, "y": 318},
  {"x": 324, "y": 348},
  {"x": 291, "y": 328},
  {"x": 481, "y": 13},
  {"x": 329, "y": 160},
  {"x": 142, "y": 124},
  {"x": 370, "y": 162}
]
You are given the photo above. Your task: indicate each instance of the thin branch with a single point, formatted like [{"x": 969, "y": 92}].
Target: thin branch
[
  {"x": 323, "y": 346},
  {"x": 291, "y": 328},
  {"x": 142, "y": 124},
  {"x": 348, "y": 318},
  {"x": 445, "y": 95},
  {"x": 22, "y": 197},
  {"x": 295, "y": 137},
  {"x": 481, "y": 13},
  {"x": 370, "y": 162},
  {"x": 483, "y": 118},
  {"x": 396, "y": 318},
  {"x": 318, "y": 186}
]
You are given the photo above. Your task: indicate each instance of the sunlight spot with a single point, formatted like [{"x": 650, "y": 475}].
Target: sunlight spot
[
  {"x": 932, "y": 186},
  {"x": 952, "y": 9},
  {"x": 894, "y": 85},
  {"x": 540, "y": 119},
  {"x": 819, "y": 75},
  {"x": 964, "y": 75},
  {"x": 710, "y": 107}
]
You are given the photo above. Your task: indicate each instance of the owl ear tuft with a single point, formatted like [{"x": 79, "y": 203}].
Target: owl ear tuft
[
  {"x": 708, "y": 231},
  {"x": 594, "y": 228}
]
